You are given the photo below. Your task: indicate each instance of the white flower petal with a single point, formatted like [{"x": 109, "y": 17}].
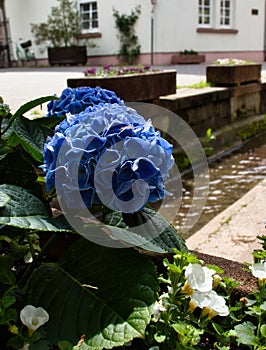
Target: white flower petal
[
  {"x": 199, "y": 278},
  {"x": 258, "y": 270},
  {"x": 33, "y": 317}
]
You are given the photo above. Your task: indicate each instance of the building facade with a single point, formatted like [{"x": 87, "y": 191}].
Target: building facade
[{"x": 215, "y": 28}]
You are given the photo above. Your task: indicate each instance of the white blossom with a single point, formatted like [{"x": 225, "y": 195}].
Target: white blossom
[
  {"x": 212, "y": 301},
  {"x": 33, "y": 317},
  {"x": 199, "y": 277},
  {"x": 159, "y": 308},
  {"x": 258, "y": 270}
]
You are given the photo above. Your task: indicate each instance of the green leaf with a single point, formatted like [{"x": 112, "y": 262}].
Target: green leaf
[
  {"x": 263, "y": 306},
  {"x": 14, "y": 169},
  {"x": 38, "y": 223},
  {"x": 32, "y": 136},
  {"x": 4, "y": 199},
  {"x": 245, "y": 333},
  {"x": 107, "y": 294},
  {"x": 27, "y": 107},
  {"x": 49, "y": 122},
  {"x": 263, "y": 330},
  {"x": 6, "y": 275},
  {"x": 65, "y": 345},
  {"x": 32, "y": 104},
  {"x": 155, "y": 229},
  {"x": 25, "y": 211},
  {"x": 21, "y": 203},
  {"x": 7, "y": 301}
]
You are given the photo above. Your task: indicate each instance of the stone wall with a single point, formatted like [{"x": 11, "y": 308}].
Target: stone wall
[{"x": 217, "y": 108}]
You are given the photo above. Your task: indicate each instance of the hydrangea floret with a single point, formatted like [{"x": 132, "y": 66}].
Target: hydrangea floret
[
  {"x": 107, "y": 154},
  {"x": 76, "y": 100}
]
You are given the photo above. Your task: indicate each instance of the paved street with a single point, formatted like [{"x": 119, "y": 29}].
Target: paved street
[{"x": 18, "y": 85}]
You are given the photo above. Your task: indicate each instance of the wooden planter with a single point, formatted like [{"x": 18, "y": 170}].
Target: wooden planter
[
  {"x": 133, "y": 87},
  {"x": 233, "y": 75},
  {"x": 188, "y": 59},
  {"x": 72, "y": 55}
]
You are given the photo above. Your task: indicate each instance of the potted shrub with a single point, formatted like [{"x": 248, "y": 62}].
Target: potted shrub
[
  {"x": 233, "y": 72},
  {"x": 187, "y": 57},
  {"x": 61, "y": 32}
]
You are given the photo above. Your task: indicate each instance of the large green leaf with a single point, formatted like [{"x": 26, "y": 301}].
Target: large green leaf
[
  {"x": 15, "y": 170},
  {"x": 49, "y": 122},
  {"x": 31, "y": 136},
  {"x": 107, "y": 294},
  {"x": 37, "y": 223},
  {"x": 151, "y": 228},
  {"x": 6, "y": 274},
  {"x": 24, "y": 210},
  {"x": 4, "y": 199},
  {"x": 27, "y": 107},
  {"x": 21, "y": 203}
]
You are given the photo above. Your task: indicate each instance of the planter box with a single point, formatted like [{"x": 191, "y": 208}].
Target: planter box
[
  {"x": 72, "y": 55},
  {"x": 187, "y": 59},
  {"x": 133, "y": 87},
  {"x": 233, "y": 75}
]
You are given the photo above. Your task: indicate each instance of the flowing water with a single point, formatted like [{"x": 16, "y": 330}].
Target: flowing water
[{"x": 230, "y": 178}]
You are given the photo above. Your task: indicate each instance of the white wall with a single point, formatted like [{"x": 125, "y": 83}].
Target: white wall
[{"x": 175, "y": 26}]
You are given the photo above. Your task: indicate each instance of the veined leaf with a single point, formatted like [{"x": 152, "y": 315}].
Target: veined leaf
[
  {"x": 49, "y": 122},
  {"x": 37, "y": 223},
  {"x": 21, "y": 203},
  {"x": 107, "y": 294},
  {"x": 33, "y": 103},
  {"x": 151, "y": 228},
  {"x": 27, "y": 107},
  {"x": 24, "y": 210},
  {"x": 4, "y": 199},
  {"x": 245, "y": 333},
  {"x": 31, "y": 136}
]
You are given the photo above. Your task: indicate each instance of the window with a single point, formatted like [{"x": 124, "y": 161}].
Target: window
[
  {"x": 89, "y": 16},
  {"x": 215, "y": 15},
  {"x": 205, "y": 13},
  {"x": 226, "y": 13}
]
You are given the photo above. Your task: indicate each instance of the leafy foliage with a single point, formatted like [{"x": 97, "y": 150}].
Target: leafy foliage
[
  {"x": 109, "y": 312},
  {"x": 99, "y": 297},
  {"x": 129, "y": 44},
  {"x": 62, "y": 27},
  {"x": 45, "y": 262}
]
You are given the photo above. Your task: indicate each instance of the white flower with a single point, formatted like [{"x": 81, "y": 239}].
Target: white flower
[
  {"x": 33, "y": 317},
  {"x": 258, "y": 270},
  {"x": 159, "y": 308},
  {"x": 211, "y": 301},
  {"x": 199, "y": 277},
  {"x": 25, "y": 347}
]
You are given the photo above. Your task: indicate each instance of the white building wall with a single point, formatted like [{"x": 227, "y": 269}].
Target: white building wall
[{"x": 175, "y": 28}]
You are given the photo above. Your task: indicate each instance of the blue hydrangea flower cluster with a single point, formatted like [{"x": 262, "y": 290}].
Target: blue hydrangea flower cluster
[
  {"x": 76, "y": 100},
  {"x": 107, "y": 155}
]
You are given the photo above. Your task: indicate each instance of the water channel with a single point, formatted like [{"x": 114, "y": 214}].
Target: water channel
[{"x": 231, "y": 177}]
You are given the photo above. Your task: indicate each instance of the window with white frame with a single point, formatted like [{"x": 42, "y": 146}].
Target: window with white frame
[
  {"x": 226, "y": 13},
  {"x": 215, "y": 14},
  {"x": 89, "y": 16},
  {"x": 205, "y": 13}
]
